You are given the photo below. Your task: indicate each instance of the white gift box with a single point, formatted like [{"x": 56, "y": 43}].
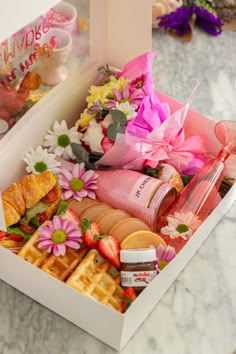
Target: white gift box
[{"x": 112, "y": 41}]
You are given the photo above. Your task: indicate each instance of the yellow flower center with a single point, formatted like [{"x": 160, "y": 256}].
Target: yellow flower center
[
  {"x": 181, "y": 228},
  {"x": 76, "y": 184},
  {"x": 59, "y": 236}
]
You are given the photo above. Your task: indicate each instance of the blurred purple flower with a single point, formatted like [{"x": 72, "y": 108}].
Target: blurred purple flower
[
  {"x": 207, "y": 21},
  {"x": 177, "y": 20}
]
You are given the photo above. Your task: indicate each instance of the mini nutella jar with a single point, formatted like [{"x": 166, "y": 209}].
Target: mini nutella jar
[{"x": 138, "y": 267}]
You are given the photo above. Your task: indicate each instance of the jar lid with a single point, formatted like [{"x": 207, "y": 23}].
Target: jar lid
[{"x": 138, "y": 255}]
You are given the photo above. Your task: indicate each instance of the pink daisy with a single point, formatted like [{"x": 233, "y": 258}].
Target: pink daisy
[
  {"x": 133, "y": 97},
  {"x": 58, "y": 235},
  {"x": 78, "y": 183},
  {"x": 164, "y": 255}
]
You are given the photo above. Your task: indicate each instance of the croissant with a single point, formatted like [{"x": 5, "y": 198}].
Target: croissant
[{"x": 25, "y": 194}]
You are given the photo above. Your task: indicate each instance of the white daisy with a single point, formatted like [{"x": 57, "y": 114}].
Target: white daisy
[
  {"x": 59, "y": 140},
  {"x": 41, "y": 160},
  {"x": 127, "y": 109},
  {"x": 181, "y": 225}
]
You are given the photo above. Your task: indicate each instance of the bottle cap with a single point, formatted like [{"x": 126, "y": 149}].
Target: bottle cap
[{"x": 138, "y": 255}]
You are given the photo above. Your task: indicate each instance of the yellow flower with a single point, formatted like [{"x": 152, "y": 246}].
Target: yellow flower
[
  {"x": 85, "y": 118},
  {"x": 118, "y": 84},
  {"x": 98, "y": 93},
  {"x": 105, "y": 92}
]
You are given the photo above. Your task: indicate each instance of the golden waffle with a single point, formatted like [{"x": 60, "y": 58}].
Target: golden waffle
[
  {"x": 97, "y": 278},
  {"x": 31, "y": 253},
  {"x": 61, "y": 267}
]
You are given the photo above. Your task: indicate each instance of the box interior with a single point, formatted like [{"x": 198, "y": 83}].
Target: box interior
[{"x": 66, "y": 101}]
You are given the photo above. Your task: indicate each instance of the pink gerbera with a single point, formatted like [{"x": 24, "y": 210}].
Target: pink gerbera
[
  {"x": 164, "y": 255},
  {"x": 78, "y": 183},
  {"x": 58, "y": 235},
  {"x": 133, "y": 97}
]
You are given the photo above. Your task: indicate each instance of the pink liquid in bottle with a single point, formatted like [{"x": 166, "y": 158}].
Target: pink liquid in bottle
[{"x": 140, "y": 195}]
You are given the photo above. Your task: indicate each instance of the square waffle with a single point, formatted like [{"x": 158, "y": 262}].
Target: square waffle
[
  {"x": 97, "y": 278},
  {"x": 31, "y": 253},
  {"x": 61, "y": 267}
]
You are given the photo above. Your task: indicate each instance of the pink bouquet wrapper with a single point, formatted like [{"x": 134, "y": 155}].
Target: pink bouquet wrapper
[{"x": 166, "y": 142}]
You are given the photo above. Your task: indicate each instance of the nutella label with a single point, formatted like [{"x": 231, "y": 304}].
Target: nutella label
[
  {"x": 139, "y": 278},
  {"x": 143, "y": 190}
]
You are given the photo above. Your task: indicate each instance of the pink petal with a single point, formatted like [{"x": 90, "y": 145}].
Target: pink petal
[
  {"x": 44, "y": 238},
  {"x": 72, "y": 244},
  {"x": 170, "y": 253},
  {"x": 64, "y": 183},
  {"x": 45, "y": 233},
  {"x": 81, "y": 194},
  {"x": 56, "y": 222},
  {"x": 78, "y": 198},
  {"x": 125, "y": 92},
  {"x": 88, "y": 175},
  {"x": 67, "y": 194},
  {"x": 75, "y": 234},
  {"x": 45, "y": 244},
  {"x": 117, "y": 94},
  {"x": 66, "y": 174},
  {"x": 91, "y": 195},
  {"x": 160, "y": 250},
  {"x": 59, "y": 249},
  {"x": 78, "y": 170},
  {"x": 92, "y": 186},
  {"x": 72, "y": 226}
]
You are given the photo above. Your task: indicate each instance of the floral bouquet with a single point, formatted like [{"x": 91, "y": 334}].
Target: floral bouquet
[{"x": 126, "y": 125}]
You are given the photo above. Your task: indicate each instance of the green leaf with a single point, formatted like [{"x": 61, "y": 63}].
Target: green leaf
[
  {"x": 100, "y": 236},
  {"x": 113, "y": 129},
  {"x": 118, "y": 117},
  {"x": 102, "y": 114},
  {"x": 85, "y": 225},
  {"x": 35, "y": 222},
  {"x": 16, "y": 230},
  {"x": 153, "y": 172},
  {"x": 186, "y": 179},
  {"x": 80, "y": 152},
  {"x": 89, "y": 166},
  {"x": 62, "y": 207}
]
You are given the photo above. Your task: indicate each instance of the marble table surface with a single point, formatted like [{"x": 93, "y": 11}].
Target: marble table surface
[{"x": 197, "y": 315}]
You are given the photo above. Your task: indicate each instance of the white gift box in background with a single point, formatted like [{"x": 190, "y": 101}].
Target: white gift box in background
[{"x": 66, "y": 100}]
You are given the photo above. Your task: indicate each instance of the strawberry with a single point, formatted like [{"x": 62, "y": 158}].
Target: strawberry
[
  {"x": 90, "y": 229},
  {"x": 128, "y": 297},
  {"x": 109, "y": 247},
  {"x": 71, "y": 215}
]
